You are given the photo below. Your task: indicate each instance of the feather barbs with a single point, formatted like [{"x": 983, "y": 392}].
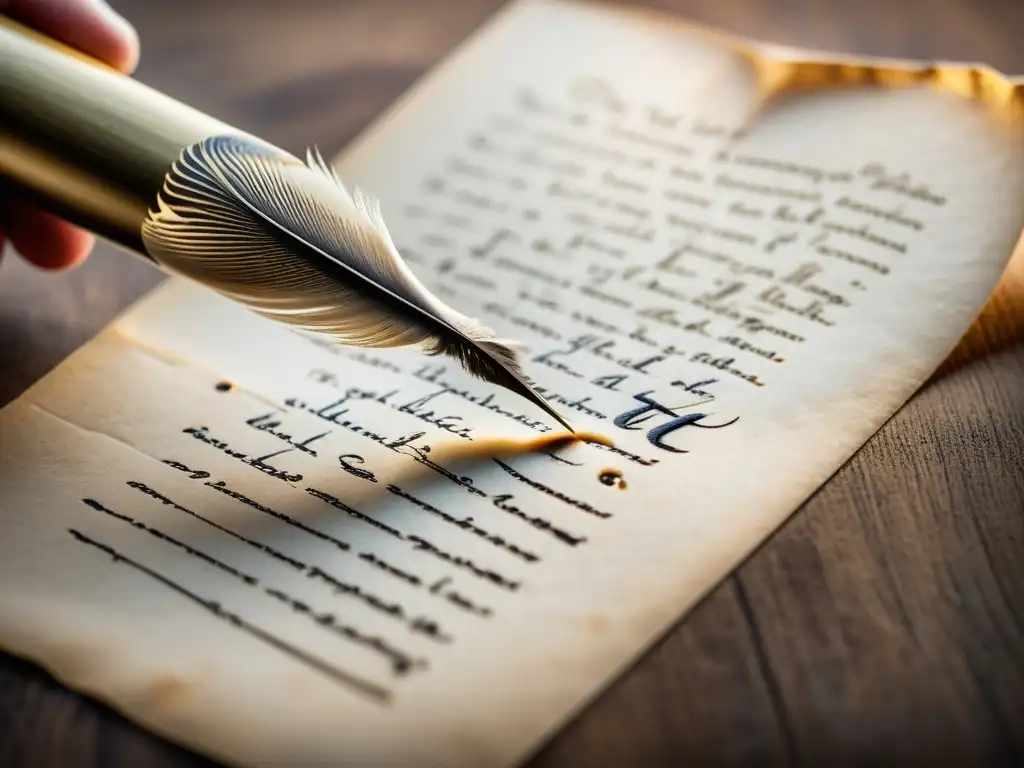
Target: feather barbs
[{"x": 288, "y": 240}]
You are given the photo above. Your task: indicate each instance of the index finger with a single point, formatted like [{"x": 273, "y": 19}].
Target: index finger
[{"x": 91, "y": 26}]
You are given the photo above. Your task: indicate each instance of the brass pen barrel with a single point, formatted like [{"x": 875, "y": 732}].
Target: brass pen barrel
[{"x": 85, "y": 141}]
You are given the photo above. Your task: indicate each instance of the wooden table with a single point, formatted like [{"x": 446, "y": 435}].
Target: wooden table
[{"x": 882, "y": 624}]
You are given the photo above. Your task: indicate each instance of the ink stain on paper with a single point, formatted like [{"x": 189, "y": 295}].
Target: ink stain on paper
[
  {"x": 165, "y": 688},
  {"x": 490, "y": 447},
  {"x": 612, "y": 477},
  {"x": 563, "y": 440}
]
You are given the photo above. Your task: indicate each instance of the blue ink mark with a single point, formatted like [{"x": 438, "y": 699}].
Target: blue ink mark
[{"x": 650, "y": 408}]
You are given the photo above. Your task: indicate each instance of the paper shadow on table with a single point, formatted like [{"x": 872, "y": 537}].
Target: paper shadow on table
[{"x": 1000, "y": 324}]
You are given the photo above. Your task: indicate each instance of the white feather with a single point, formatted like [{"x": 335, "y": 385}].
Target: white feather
[{"x": 288, "y": 240}]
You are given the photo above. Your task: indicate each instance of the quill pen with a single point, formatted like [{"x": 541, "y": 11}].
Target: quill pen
[{"x": 200, "y": 199}]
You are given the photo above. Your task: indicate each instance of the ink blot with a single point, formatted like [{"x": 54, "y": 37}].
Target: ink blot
[
  {"x": 612, "y": 477},
  {"x": 224, "y": 386}
]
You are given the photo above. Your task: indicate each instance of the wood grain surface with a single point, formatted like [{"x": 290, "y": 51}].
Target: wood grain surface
[{"x": 882, "y": 624}]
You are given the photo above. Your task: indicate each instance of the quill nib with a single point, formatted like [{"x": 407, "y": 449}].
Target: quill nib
[{"x": 288, "y": 240}]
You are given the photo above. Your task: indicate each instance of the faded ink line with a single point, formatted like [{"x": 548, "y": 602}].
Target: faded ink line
[{"x": 375, "y": 692}]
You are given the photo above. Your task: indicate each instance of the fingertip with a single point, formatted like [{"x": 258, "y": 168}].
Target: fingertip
[
  {"x": 45, "y": 240},
  {"x": 124, "y": 46},
  {"x": 91, "y": 26},
  {"x": 130, "y": 60}
]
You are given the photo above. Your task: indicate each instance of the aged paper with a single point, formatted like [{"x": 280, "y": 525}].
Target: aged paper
[{"x": 266, "y": 547}]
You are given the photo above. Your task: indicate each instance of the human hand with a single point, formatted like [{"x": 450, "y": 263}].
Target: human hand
[{"x": 94, "y": 28}]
